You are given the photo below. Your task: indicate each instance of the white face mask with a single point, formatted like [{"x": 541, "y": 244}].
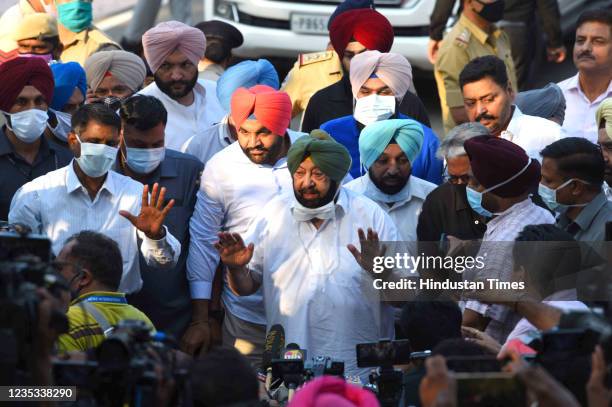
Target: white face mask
[
  {"x": 374, "y": 108},
  {"x": 144, "y": 160},
  {"x": 28, "y": 125},
  {"x": 96, "y": 159},
  {"x": 304, "y": 214},
  {"x": 63, "y": 125}
]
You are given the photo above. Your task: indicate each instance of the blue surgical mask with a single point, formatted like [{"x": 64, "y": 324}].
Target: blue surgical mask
[
  {"x": 549, "y": 196},
  {"x": 75, "y": 16},
  {"x": 63, "y": 127},
  {"x": 475, "y": 198},
  {"x": 96, "y": 159},
  {"x": 144, "y": 160},
  {"x": 28, "y": 125}
]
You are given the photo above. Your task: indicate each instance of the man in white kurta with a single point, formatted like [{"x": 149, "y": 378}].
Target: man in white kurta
[
  {"x": 303, "y": 250},
  {"x": 387, "y": 150},
  {"x": 173, "y": 50}
]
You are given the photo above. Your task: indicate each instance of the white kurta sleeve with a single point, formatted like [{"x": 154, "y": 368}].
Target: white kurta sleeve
[{"x": 204, "y": 226}]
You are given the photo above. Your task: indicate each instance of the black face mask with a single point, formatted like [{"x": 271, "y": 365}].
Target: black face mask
[{"x": 492, "y": 12}]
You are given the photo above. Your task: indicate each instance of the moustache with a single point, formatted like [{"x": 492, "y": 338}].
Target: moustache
[
  {"x": 484, "y": 116},
  {"x": 586, "y": 54},
  {"x": 308, "y": 191},
  {"x": 173, "y": 83},
  {"x": 257, "y": 149}
]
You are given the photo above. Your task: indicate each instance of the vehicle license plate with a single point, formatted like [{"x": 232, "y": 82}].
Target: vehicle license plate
[{"x": 309, "y": 23}]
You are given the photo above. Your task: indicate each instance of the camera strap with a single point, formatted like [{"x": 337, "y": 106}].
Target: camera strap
[{"x": 91, "y": 309}]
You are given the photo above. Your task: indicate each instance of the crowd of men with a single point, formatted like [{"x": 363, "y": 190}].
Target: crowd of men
[{"x": 174, "y": 190}]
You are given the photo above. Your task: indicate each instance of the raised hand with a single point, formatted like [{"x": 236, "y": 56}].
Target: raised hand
[
  {"x": 370, "y": 248},
  {"x": 233, "y": 252},
  {"x": 150, "y": 220}
]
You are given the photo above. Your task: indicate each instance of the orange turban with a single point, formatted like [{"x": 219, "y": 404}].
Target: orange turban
[{"x": 271, "y": 107}]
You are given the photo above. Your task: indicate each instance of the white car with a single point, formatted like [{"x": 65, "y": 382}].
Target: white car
[{"x": 289, "y": 28}]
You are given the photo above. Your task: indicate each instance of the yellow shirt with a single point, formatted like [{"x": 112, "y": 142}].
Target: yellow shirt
[
  {"x": 79, "y": 46},
  {"x": 84, "y": 331},
  {"x": 463, "y": 43},
  {"x": 311, "y": 73}
]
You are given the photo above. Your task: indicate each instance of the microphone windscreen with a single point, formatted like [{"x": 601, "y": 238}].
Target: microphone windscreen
[{"x": 275, "y": 343}]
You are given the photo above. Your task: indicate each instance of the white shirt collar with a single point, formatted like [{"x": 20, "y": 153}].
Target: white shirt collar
[
  {"x": 73, "y": 183},
  {"x": 225, "y": 136},
  {"x": 513, "y": 126}
]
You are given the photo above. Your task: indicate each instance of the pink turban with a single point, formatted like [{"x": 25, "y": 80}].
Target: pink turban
[
  {"x": 329, "y": 391},
  {"x": 393, "y": 69},
  {"x": 163, "y": 39},
  {"x": 271, "y": 107}
]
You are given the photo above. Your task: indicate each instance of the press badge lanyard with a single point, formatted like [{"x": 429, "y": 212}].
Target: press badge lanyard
[{"x": 91, "y": 309}]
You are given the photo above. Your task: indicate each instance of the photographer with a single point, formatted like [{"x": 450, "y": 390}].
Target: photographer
[
  {"x": 92, "y": 265},
  {"x": 223, "y": 377},
  {"x": 415, "y": 324}
]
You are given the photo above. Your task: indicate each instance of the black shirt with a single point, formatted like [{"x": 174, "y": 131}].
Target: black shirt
[
  {"x": 15, "y": 171},
  {"x": 165, "y": 296},
  {"x": 446, "y": 210},
  {"x": 336, "y": 101}
]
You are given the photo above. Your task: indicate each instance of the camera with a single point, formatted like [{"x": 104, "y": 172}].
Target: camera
[
  {"x": 24, "y": 268},
  {"x": 125, "y": 368},
  {"x": 385, "y": 382}
]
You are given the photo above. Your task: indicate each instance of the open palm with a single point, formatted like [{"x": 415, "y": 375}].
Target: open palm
[
  {"x": 234, "y": 253},
  {"x": 152, "y": 214}
]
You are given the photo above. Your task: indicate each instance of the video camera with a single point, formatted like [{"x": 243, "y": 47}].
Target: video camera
[
  {"x": 125, "y": 368},
  {"x": 385, "y": 382},
  {"x": 293, "y": 368},
  {"x": 24, "y": 268}
]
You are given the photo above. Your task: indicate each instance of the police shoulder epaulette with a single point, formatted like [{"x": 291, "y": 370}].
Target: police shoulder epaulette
[
  {"x": 311, "y": 58},
  {"x": 463, "y": 39}
]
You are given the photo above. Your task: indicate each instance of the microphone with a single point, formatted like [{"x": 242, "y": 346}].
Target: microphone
[
  {"x": 296, "y": 356},
  {"x": 293, "y": 352},
  {"x": 275, "y": 342}
]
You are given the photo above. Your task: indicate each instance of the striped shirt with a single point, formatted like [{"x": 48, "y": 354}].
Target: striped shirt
[{"x": 495, "y": 248}]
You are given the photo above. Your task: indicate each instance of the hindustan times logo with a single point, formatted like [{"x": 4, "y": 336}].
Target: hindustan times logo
[{"x": 414, "y": 263}]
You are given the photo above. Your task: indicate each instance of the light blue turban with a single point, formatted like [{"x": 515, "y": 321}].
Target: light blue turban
[
  {"x": 245, "y": 75},
  {"x": 67, "y": 76},
  {"x": 375, "y": 137}
]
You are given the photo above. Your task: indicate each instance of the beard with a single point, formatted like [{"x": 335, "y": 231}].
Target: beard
[
  {"x": 321, "y": 200},
  {"x": 176, "y": 89},
  {"x": 262, "y": 155},
  {"x": 390, "y": 185}
]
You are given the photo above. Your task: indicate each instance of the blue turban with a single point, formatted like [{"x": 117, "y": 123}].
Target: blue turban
[
  {"x": 67, "y": 76},
  {"x": 245, "y": 75},
  {"x": 375, "y": 137}
]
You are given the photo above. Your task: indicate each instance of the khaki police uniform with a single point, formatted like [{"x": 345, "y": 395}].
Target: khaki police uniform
[
  {"x": 311, "y": 73},
  {"x": 79, "y": 46},
  {"x": 463, "y": 43}
]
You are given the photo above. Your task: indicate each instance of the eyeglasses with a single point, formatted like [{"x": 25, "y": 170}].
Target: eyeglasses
[{"x": 455, "y": 179}]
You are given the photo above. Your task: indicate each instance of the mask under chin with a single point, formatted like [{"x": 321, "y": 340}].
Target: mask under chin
[{"x": 327, "y": 198}]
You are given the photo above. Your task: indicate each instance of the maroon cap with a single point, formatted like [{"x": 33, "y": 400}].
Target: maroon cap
[{"x": 495, "y": 160}]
